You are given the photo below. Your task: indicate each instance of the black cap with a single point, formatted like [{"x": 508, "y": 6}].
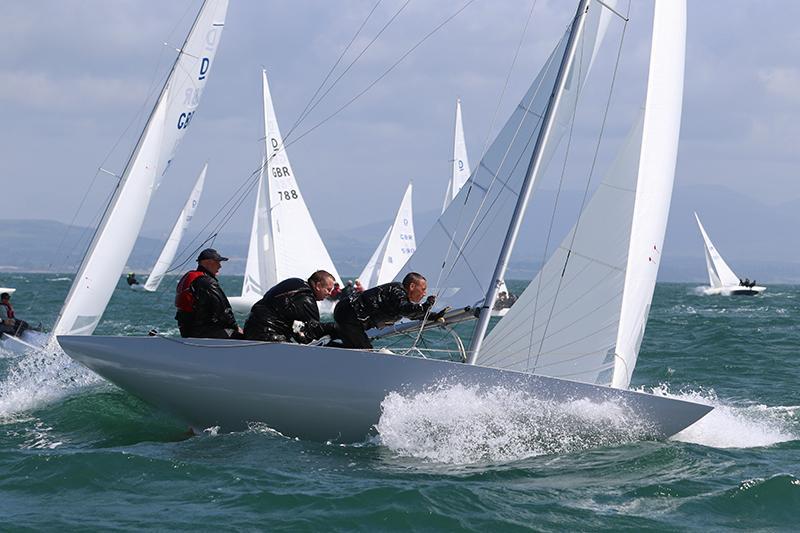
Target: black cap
[{"x": 210, "y": 253}]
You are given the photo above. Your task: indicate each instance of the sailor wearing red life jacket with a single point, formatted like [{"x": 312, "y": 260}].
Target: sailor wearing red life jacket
[
  {"x": 203, "y": 310},
  {"x": 9, "y": 324}
]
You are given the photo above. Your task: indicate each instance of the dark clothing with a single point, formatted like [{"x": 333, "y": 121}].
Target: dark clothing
[
  {"x": 132, "y": 280},
  {"x": 347, "y": 292},
  {"x": 376, "y": 307},
  {"x": 211, "y": 312},
  {"x": 273, "y": 316},
  {"x": 16, "y": 327},
  {"x": 19, "y": 327}
]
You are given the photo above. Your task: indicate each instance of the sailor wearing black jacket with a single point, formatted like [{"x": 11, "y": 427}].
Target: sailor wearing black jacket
[
  {"x": 379, "y": 306},
  {"x": 272, "y": 318},
  {"x": 203, "y": 309}
]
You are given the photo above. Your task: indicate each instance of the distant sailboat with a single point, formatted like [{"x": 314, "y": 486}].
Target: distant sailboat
[
  {"x": 284, "y": 242},
  {"x": 171, "y": 246},
  {"x": 328, "y": 393},
  {"x": 395, "y": 248},
  {"x": 461, "y": 171},
  {"x": 721, "y": 278}
]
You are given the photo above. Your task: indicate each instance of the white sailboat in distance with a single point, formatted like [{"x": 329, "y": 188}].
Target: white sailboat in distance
[
  {"x": 173, "y": 241},
  {"x": 721, "y": 278},
  {"x": 394, "y": 249},
  {"x": 284, "y": 242},
  {"x": 327, "y": 393}
]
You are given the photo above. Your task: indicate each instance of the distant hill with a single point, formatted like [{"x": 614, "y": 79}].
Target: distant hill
[{"x": 758, "y": 241}]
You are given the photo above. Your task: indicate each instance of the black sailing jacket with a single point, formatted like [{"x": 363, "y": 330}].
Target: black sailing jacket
[
  {"x": 272, "y": 317},
  {"x": 386, "y": 304}
]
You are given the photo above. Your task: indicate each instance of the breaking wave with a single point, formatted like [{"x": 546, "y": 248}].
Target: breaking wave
[
  {"x": 40, "y": 378},
  {"x": 459, "y": 424},
  {"x": 732, "y": 425}
]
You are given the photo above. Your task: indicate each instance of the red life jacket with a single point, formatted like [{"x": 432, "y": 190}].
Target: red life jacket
[
  {"x": 184, "y": 298},
  {"x": 10, "y": 309}
]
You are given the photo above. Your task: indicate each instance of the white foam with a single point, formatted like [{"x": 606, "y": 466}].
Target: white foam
[
  {"x": 732, "y": 425},
  {"x": 40, "y": 378},
  {"x": 457, "y": 424}
]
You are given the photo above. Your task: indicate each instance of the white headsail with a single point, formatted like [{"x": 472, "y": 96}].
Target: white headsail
[
  {"x": 284, "y": 242},
  {"x": 122, "y": 221},
  {"x": 395, "y": 248},
  {"x": 468, "y": 236},
  {"x": 583, "y": 316},
  {"x": 719, "y": 273},
  {"x": 171, "y": 246},
  {"x": 461, "y": 170}
]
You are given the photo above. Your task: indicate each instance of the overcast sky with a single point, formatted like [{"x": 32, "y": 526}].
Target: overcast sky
[{"x": 75, "y": 74}]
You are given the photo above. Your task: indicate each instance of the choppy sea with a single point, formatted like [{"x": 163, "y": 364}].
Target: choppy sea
[{"x": 77, "y": 453}]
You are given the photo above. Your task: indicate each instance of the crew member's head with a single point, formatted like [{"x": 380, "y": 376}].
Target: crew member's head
[
  {"x": 5, "y": 297},
  {"x": 415, "y": 285},
  {"x": 211, "y": 260},
  {"x": 321, "y": 282}
]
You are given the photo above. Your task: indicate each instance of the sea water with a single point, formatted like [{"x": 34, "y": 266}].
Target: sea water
[{"x": 79, "y": 453}]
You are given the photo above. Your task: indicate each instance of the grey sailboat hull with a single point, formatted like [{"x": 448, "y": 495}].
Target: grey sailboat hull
[{"x": 319, "y": 393}]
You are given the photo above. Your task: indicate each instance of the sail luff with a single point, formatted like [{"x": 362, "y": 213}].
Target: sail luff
[
  {"x": 661, "y": 131},
  {"x": 531, "y": 177},
  {"x": 167, "y": 254}
]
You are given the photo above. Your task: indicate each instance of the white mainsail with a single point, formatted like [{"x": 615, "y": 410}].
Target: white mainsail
[
  {"x": 171, "y": 246},
  {"x": 122, "y": 221},
  {"x": 719, "y": 273},
  {"x": 461, "y": 170},
  {"x": 284, "y": 242},
  {"x": 395, "y": 248},
  {"x": 583, "y": 316},
  {"x": 468, "y": 236}
]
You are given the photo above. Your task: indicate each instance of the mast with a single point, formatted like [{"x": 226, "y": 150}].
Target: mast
[{"x": 527, "y": 185}]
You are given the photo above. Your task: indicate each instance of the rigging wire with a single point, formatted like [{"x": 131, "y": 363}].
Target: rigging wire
[
  {"x": 152, "y": 89},
  {"x": 478, "y": 169},
  {"x": 588, "y": 181},
  {"x": 236, "y": 199}
]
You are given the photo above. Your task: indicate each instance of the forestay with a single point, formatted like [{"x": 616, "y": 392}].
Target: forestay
[
  {"x": 583, "y": 316},
  {"x": 171, "y": 246},
  {"x": 284, "y": 242},
  {"x": 719, "y": 273},
  {"x": 460, "y": 252},
  {"x": 397, "y": 245},
  {"x": 122, "y": 221},
  {"x": 461, "y": 171}
]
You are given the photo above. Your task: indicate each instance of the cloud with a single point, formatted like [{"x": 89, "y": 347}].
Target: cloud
[{"x": 40, "y": 91}]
